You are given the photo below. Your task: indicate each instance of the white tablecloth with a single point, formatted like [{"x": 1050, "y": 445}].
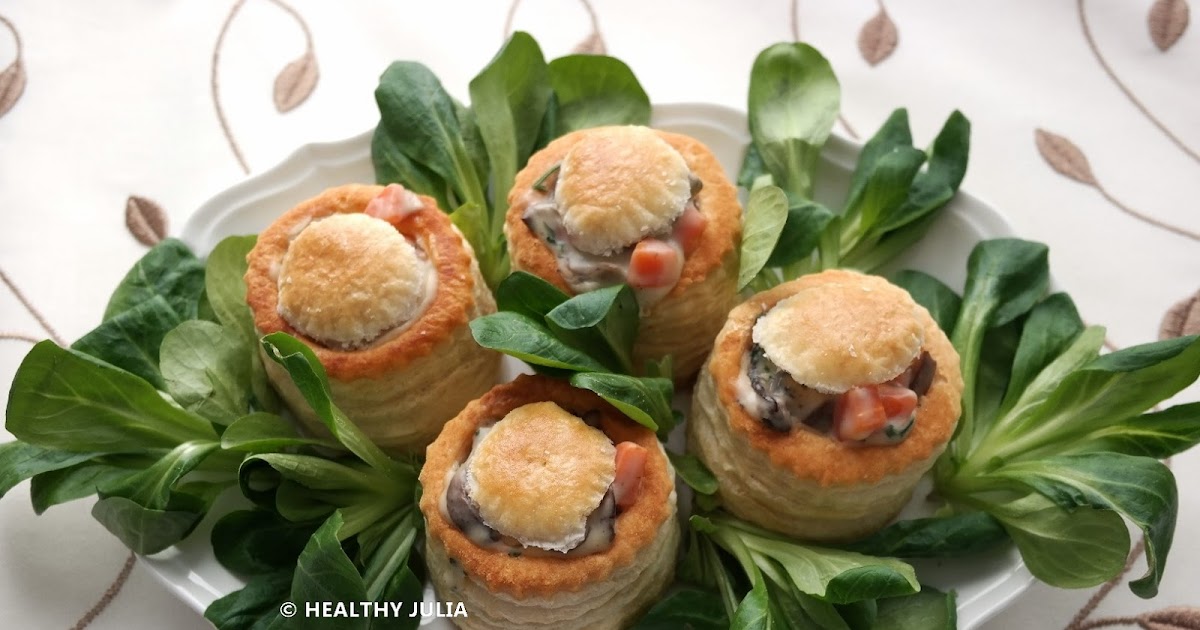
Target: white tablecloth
[{"x": 118, "y": 101}]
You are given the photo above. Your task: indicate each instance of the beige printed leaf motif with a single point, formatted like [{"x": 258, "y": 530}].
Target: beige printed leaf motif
[
  {"x": 1173, "y": 618},
  {"x": 146, "y": 220},
  {"x": 296, "y": 82},
  {"x": 878, "y": 38},
  {"x": 1182, "y": 319},
  {"x": 1063, "y": 156},
  {"x": 12, "y": 85},
  {"x": 591, "y": 45},
  {"x": 1168, "y": 19}
]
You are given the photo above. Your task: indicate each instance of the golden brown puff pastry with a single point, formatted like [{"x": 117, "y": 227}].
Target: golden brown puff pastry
[
  {"x": 527, "y": 588},
  {"x": 384, "y": 304},
  {"x": 619, "y": 184},
  {"x": 802, "y": 482}
]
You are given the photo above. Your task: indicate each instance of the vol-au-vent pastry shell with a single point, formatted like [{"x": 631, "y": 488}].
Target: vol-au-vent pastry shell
[
  {"x": 804, "y": 483},
  {"x": 605, "y": 589},
  {"x": 686, "y": 320},
  {"x": 402, "y": 386},
  {"x": 717, "y": 201}
]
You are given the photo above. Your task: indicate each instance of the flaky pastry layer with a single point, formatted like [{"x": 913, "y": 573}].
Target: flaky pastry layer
[
  {"x": 803, "y": 483},
  {"x": 404, "y": 386},
  {"x": 604, "y": 589}
]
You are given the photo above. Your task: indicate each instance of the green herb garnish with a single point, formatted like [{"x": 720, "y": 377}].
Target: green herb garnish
[
  {"x": 587, "y": 339},
  {"x": 539, "y": 184},
  {"x": 1054, "y": 441},
  {"x": 895, "y": 192}
]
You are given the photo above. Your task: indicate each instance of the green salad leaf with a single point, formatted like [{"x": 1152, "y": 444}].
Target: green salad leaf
[
  {"x": 309, "y": 376},
  {"x": 951, "y": 536},
  {"x": 152, "y": 510},
  {"x": 66, "y": 400},
  {"x": 929, "y": 609},
  {"x": 595, "y": 90},
  {"x": 84, "y": 479},
  {"x": 206, "y": 370},
  {"x": 259, "y": 542},
  {"x": 601, "y": 322},
  {"x": 685, "y": 607},
  {"x": 766, "y": 215},
  {"x": 791, "y": 584},
  {"x": 1073, "y": 548},
  {"x": 896, "y": 190},
  {"x": 1054, "y": 441},
  {"x": 794, "y": 100},
  {"x": 530, "y": 341},
  {"x": 509, "y": 98},
  {"x": 170, "y": 271},
  {"x": 20, "y": 461},
  {"x": 587, "y": 338}
]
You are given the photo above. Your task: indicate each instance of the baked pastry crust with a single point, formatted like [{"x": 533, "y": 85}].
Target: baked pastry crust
[
  {"x": 802, "y": 483},
  {"x": 348, "y": 278},
  {"x": 607, "y": 589},
  {"x": 683, "y": 323},
  {"x": 403, "y": 386},
  {"x": 619, "y": 185},
  {"x": 842, "y": 333},
  {"x": 515, "y": 475}
]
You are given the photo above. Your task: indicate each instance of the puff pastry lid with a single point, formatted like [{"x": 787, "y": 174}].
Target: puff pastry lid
[
  {"x": 852, "y": 330},
  {"x": 619, "y": 185},
  {"x": 348, "y": 278},
  {"x": 539, "y": 473}
]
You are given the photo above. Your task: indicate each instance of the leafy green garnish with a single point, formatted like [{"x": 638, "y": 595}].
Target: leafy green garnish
[
  {"x": 595, "y": 90},
  {"x": 794, "y": 100},
  {"x": 938, "y": 537},
  {"x": 685, "y": 607},
  {"x": 895, "y": 192},
  {"x": 587, "y": 338},
  {"x": 1051, "y": 443},
  {"x": 766, "y": 214},
  {"x": 170, "y": 271},
  {"x": 790, "y": 582}
]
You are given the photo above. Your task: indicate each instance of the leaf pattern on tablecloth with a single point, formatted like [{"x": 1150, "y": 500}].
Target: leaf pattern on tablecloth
[
  {"x": 878, "y": 37},
  {"x": 1173, "y": 618},
  {"x": 1168, "y": 19},
  {"x": 1068, "y": 160},
  {"x": 146, "y": 220},
  {"x": 293, "y": 85},
  {"x": 593, "y": 44},
  {"x": 1091, "y": 42},
  {"x": 12, "y": 78},
  {"x": 1181, "y": 319},
  {"x": 1063, "y": 156},
  {"x": 16, "y": 336},
  {"x": 296, "y": 82}
]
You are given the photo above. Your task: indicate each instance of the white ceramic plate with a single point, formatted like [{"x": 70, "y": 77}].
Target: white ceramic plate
[{"x": 985, "y": 583}]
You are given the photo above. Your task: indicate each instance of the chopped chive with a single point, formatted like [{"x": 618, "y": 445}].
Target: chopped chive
[{"x": 539, "y": 185}]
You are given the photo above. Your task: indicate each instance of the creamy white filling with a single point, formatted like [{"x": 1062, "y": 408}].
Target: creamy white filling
[{"x": 585, "y": 272}]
